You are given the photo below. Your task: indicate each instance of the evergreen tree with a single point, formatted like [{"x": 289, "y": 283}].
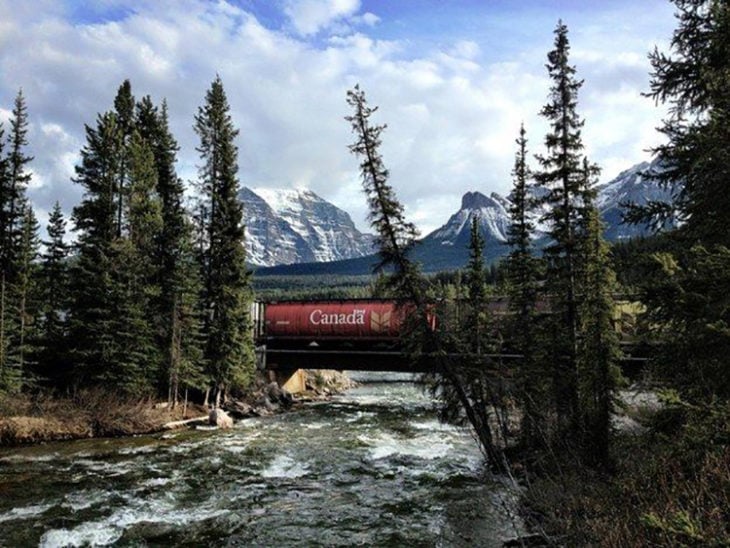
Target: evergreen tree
[
  {"x": 27, "y": 295},
  {"x": 522, "y": 276},
  {"x": 687, "y": 293},
  {"x": 599, "y": 346},
  {"x": 91, "y": 313},
  {"x": 178, "y": 312},
  {"x": 561, "y": 175},
  {"x": 14, "y": 179},
  {"x": 395, "y": 238},
  {"x": 124, "y": 109},
  {"x": 226, "y": 284},
  {"x": 476, "y": 281},
  {"x": 133, "y": 355},
  {"x": 54, "y": 302},
  {"x": 693, "y": 79}
]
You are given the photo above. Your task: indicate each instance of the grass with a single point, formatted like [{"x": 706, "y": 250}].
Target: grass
[{"x": 91, "y": 413}]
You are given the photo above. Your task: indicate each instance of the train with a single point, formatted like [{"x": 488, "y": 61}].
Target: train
[{"x": 330, "y": 322}]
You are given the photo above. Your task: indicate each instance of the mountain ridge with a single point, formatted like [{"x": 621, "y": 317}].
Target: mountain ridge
[{"x": 446, "y": 247}]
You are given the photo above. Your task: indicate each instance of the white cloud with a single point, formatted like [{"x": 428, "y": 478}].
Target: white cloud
[
  {"x": 311, "y": 16},
  {"x": 453, "y": 109}
]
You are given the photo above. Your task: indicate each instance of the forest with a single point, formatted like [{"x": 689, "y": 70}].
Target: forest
[{"x": 150, "y": 297}]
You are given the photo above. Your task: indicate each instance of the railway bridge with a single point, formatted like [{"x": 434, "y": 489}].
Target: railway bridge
[{"x": 365, "y": 335}]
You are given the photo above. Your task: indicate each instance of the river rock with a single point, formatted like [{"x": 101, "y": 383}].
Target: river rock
[
  {"x": 278, "y": 394},
  {"x": 220, "y": 418},
  {"x": 239, "y": 409}
]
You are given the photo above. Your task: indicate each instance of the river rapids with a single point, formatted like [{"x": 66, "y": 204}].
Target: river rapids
[{"x": 372, "y": 467}]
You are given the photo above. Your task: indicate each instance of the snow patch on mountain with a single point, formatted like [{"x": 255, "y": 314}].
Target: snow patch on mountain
[
  {"x": 286, "y": 226},
  {"x": 634, "y": 185}
]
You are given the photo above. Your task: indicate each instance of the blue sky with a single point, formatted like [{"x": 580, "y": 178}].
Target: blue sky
[{"x": 453, "y": 79}]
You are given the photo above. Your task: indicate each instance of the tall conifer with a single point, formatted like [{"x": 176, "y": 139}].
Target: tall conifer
[
  {"x": 14, "y": 179},
  {"x": 522, "y": 276},
  {"x": 91, "y": 314},
  {"x": 226, "y": 284},
  {"x": 561, "y": 175},
  {"x": 54, "y": 297}
]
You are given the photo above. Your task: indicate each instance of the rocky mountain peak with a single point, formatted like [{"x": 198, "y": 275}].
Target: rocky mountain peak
[
  {"x": 476, "y": 200},
  {"x": 285, "y": 226}
]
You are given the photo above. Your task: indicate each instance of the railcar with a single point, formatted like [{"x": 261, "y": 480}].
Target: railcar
[{"x": 330, "y": 323}]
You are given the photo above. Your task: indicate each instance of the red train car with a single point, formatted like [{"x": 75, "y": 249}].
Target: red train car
[{"x": 332, "y": 320}]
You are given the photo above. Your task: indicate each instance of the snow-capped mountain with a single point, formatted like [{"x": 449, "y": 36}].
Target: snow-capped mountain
[
  {"x": 491, "y": 212},
  {"x": 632, "y": 185},
  {"x": 446, "y": 247},
  {"x": 297, "y": 226}
]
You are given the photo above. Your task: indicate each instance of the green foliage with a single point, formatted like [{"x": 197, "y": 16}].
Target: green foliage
[
  {"x": 226, "y": 282},
  {"x": 693, "y": 79},
  {"x": 53, "y": 367},
  {"x": 687, "y": 318},
  {"x": 395, "y": 237},
  {"x": 271, "y": 288},
  {"x": 522, "y": 275},
  {"x": 598, "y": 351},
  {"x": 17, "y": 241}
]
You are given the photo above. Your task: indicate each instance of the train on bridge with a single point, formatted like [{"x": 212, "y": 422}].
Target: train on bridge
[
  {"x": 365, "y": 333},
  {"x": 330, "y": 323}
]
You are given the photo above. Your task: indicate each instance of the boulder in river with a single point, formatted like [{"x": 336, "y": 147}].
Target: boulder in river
[
  {"x": 220, "y": 418},
  {"x": 277, "y": 394}
]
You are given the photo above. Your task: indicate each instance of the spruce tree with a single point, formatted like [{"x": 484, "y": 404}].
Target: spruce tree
[
  {"x": 14, "y": 179},
  {"x": 226, "y": 283},
  {"x": 599, "y": 345},
  {"x": 54, "y": 298},
  {"x": 124, "y": 109},
  {"x": 522, "y": 288},
  {"x": 133, "y": 355},
  {"x": 561, "y": 175},
  {"x": 686, "y": 296},
  {"x": 177, "y": 307},
  {"x": 27, "y": 296},
  {"x": 91, "y": 314},
  {"x": 395, "y": 238},
  {"x": 693, "y": 80}
]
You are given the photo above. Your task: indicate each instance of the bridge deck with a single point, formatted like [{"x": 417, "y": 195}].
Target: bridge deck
[{"x": 278, "y": 359}]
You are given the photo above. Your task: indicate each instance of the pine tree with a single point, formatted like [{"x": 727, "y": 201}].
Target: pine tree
[
  {"x": 124, "y": 109},
  {"x": 27, "y": 295},
  {"x": 178, "y": 278},
  {"x": 14, "y": 179},
  {"x": 522, "y": 275},
  {"x": 693, "y": 80},
  {"x": 561, "y": 175},
  {"x": 396, "y": 238},
  {"x": 226, "y": 291},
  {"x": 133, "y": 357},
  {"x": 476, "y": 281},
  {"x": 54, "y": 297},
  {"x": 686, "y": 296},
  {"x": 91, "y": 313},
  {"x": 599, "y": 346}
]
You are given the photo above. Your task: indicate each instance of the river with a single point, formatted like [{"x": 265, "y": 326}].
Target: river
[{"x": 372, "y": 467}]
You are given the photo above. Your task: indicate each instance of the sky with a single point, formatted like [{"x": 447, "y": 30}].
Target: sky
[{"x": 453, "y": 81}]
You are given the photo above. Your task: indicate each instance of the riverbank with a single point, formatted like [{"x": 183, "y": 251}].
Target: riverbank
[
  {"x": 100, "y": 413},
  {"x": 669, "y": 484}
]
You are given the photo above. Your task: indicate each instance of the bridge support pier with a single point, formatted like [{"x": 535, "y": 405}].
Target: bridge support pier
[{"x": 293, "y": 381}]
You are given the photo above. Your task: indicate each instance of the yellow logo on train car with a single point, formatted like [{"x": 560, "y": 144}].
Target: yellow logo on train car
[{"x": 380, "y": 322}]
